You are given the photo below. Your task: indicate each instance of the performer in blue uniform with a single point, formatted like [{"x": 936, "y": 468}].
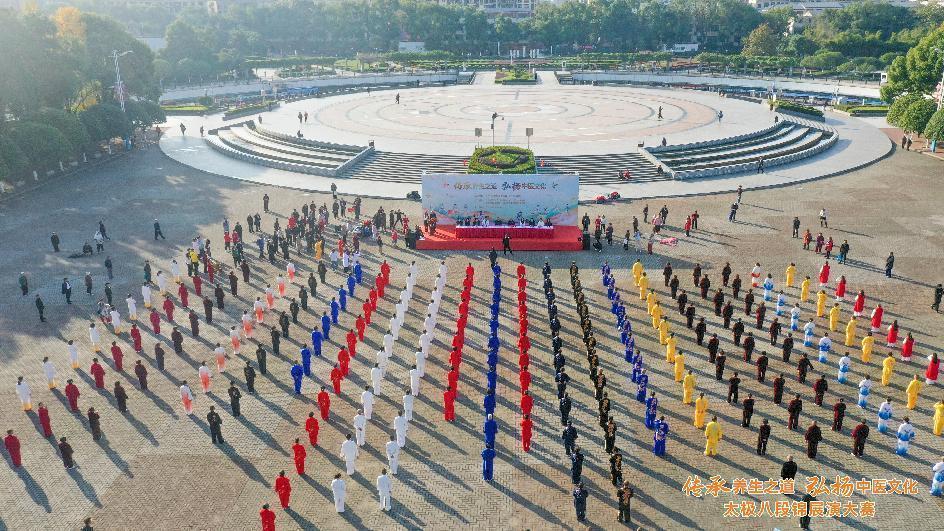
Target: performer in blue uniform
[
  {"x": 316, "y": 341},
  {"x": 637, "y": 369},
  {"x": 491, "y": 430},
  {"x": 358, "y": 273},
  {"x": 489, "y": 403},
  {"x": 642, "y": 382},
  {"x": 297, "y": 373},
  {"x": 351, "y": 281},
  {"x": 659, "y": 437},
  {"x": 491, "y": 378},
  {"x": 306, "y": 360},
  {"x": 488, "y": 459},
  {"x": 326, "y": 326},
  {"x": 335, "y": 310},
  {"x": 342, "y": 302},
  {"x": 652, "y": 406}
]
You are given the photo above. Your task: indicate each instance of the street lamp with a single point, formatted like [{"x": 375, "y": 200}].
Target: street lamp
[
  {"x": 495, "y": 116},
  {"x": 118, "y": 86}
]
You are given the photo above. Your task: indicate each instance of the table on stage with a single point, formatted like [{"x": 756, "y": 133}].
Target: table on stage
[{"x": 499, "y": 231}]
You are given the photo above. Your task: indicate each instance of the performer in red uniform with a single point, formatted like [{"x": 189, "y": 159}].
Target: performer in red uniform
[
  {"x": 13, "y": 448},
  {"x": 155, "y": 321},
  {"x": 72, "y": 393},
  {"x": 136, "y": 338},
  {"x": 360, "y": 325},
  {"x": 299, "y": 455},
  {"x": 44, "y": 422},
  {"x": 283, "y": 488},
  {"x": 336, "y": 377},
  {"x": 351, "y": 338},
  {"x": 344, "y": 361},
  {"x": 449, "y": 404},
  {"x": 324, "y": 404},
  {"x": 183, "y": 294},
  {"x": 169, "y": 309},
  {"x": 117, "y": 355},
  {"x": 311, "y": 425},
  {"x": 526, "y": 427},
  {"x": 524, "y": 378},
  {"x": 268, "y": 518},
  {"x": 98, "y": 372}
]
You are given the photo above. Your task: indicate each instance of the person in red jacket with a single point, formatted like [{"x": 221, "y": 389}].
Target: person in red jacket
[
  {"x": 524, "y": 378},
  {"x": 449, "y": 404},
  {"x": 155, "y": 321},
  {"x": 526, "y": 428},
  {"x": 344, "y": 361},
  {"x": 367, "y": 309},
  {"x": 299, "y": 456},
  {"x": 183, "y": 294},
  {"x": 13, "y": 448},
  {"x": 527, "y": 403},
  {"x": 372, "y": 295},
  {"x": 98, "y": 372},
  {"x": 283, "y": 488},
  {"x": 336, "y": 376},
  {"x": 198, "y": 285},
  {"x": 72, "y": 393},
  {"x": 324, "y": 404},
  {"x": 169, "y": 309},
  {"x": 452, "y": 380},
  {"x": 268, "y": 518},
  {"x": 352, "y": 343},
  {"x": 136, "y": 338},
  {"x": 379, "y": 284},
  {"x": 117, "y": 355},
  {"x": 360, "y": 324},
  {"x": 44, "y": 422},
  {"x": 311, "y": 425},
  {"x": 520, "y": 270}
]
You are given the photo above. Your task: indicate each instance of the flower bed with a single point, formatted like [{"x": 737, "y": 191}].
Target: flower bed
[
  {"x": 502, "y": 159},
  {"x": 518, "y": 76}
]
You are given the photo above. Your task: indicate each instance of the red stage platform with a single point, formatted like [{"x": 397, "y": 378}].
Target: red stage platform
[{"x": 565, "y": 239}]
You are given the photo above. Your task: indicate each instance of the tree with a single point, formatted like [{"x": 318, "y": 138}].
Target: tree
[
  {"x": 898, "y": 107},
  {"x": 143, "y": 113},
  {"x": 919, "y": 70},
  {"x": 779, "y": 19},
  {"x": 917, "y": 115},
  {"x": 111, "y": 121},
  {"x": 823, "y": 60},
  {"x": 800, "y": 45},
  {"x": 67, "y": 123},
  {"x": 43, "y": 145},
  {"x": 934, "y": 131},
  {"x": 92, "y": 121},
  {"x": 761, "y": 41},
  {"x": 12, "y": 156}
]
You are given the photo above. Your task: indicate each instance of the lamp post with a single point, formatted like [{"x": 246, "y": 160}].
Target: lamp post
[
  {"x": 118, "y": 86},
  {"x": 495, "y": 116}
]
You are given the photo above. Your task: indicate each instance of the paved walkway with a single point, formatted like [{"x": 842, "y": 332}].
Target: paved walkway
[{"x": 158, "y": 466}]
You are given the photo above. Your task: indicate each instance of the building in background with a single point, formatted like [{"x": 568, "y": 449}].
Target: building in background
[{"x": 510, "y": 8}]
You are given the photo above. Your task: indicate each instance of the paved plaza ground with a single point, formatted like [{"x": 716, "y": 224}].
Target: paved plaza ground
[
  {"x": 156, "y": 467},
  {"x": 567, "y": 120}
]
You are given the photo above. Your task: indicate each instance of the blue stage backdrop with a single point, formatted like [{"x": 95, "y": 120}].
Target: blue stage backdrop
[{"x": 457, "y": 196}]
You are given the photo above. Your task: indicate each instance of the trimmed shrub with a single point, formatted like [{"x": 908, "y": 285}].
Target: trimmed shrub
[
  {"x": 796, "y": 107},
  {"x": 502, "y": 159},
  {"x": 13, "y": 157}
]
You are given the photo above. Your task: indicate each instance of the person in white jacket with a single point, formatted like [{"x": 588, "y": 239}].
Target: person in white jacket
[
  {"x": 383, "y": 490},
  {"x": 23, "y": 391},
  {"x": 349, "y": 451},
  {"x": 393, "y": 454},
  {"x": 339, "y": 490}
]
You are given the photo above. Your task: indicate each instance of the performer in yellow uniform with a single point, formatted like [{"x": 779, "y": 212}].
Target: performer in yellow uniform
[
  {"x": 850, "y": 332},
  {"x": 791, "y": 273},
  {"x": 805, "y": 289},
  {"x": 319, "y": 250},
  {"x": 637, "y": 272},
  {"x": 670, "y": 343},
  {"x": 650, "y": 300},
  {"x": 821, "y": 303},
  {"x": 834, "y": 317},
  {"x": 888, "y": 365},
  {"x": 701, "y": 407},
  {"x": 712, "y": 436},
  {"x": 912, "y": 391},
  {"x": 663, "y": 331},
  {"x": 938, "y": 424},
  {"x": 688, "y": 388},
  {"x": 656, "y": 315},
  {"x": 867, "y": 343},
  {"x": 679, "y": 365},
  {"x": 643, "y": 286}
]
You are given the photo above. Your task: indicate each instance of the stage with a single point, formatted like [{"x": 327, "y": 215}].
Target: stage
[{"x": 445, "y": 239}]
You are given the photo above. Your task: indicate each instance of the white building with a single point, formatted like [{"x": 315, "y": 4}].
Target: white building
[{"x": 494, "y": 8}]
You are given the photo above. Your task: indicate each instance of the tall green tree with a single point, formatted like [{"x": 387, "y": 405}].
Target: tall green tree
[{"x": 920, "y": 70}]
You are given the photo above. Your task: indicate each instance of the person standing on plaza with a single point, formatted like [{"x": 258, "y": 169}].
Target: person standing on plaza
[
  {"x": 216, "y": 425},
  {"x": 284, "y": 489},
  {"x": 338, "y": 491}
]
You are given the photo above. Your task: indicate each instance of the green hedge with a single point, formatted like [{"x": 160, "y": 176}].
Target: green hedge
[
  {"x": 797, "y": 108},
  {"x": 249, "y": 109},
  {"x": 864, "y": 110},
  {"x": 502, "y": 159}
]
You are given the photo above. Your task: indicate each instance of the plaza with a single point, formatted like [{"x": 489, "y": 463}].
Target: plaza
[{"x": 157, "y": 464}]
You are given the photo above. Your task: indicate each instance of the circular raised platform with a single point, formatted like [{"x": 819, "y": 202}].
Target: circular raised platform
[{"x": 602, "y": 125}]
